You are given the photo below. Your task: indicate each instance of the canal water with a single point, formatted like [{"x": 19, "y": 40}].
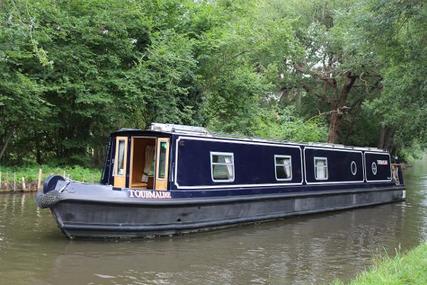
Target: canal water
[{"x": 313, "y": 249}]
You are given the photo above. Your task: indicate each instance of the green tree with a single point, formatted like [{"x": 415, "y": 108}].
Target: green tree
[
  {"x": 395, "y": 33},
  {"x": 345, "y": 71}
]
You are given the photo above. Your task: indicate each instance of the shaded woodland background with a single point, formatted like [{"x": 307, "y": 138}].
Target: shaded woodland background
[{"x": 351, "y": 72}]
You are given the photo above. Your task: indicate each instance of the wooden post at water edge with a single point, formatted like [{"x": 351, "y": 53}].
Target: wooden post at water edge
[
  {"x": 23, "y": 184},
  {"x": 39, "y": 180}
]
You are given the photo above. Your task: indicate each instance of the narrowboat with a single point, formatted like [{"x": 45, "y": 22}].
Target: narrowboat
[{"x": 172, "y": 179}]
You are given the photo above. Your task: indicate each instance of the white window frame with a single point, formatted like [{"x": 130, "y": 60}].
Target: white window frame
[
  {"x": 316, "y": 158},
  {"x": 222, "y": 163},
  {"x": 275, "y": 166}
]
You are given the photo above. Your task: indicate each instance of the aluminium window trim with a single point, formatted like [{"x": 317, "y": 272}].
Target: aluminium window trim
[
  {"x": 231, "y": 154},
  {"x": 275, "y": 166},
  {"x": 318, "y": 158}
]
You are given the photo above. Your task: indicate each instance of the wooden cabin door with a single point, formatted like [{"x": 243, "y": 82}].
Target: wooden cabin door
[
  {"x": 162, "y": 164},
  {"x": 120, "y": 162}
]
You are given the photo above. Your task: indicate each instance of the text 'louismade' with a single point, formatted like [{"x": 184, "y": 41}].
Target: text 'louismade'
[{"x": 149, "y": 194}]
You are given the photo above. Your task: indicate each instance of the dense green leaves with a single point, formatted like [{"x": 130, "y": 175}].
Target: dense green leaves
[
  {"x": 73, "y": 71},
  {"x": 97, "y": 66},
  {"x": 396, "y": 34}
]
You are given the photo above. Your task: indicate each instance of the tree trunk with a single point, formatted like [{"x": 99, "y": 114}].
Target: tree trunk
[
  {"x": 388, "y": 142},
  {"x": 98, "y": 156},
  {"x": 333, "y": 127},
  {"x": 385, "y": 140},
  {"x": 336, "y": 114},
  {"x": 4, "y": 147},
  {"x": 381, "y": 140},
  {"x": 38, "y": 154}
]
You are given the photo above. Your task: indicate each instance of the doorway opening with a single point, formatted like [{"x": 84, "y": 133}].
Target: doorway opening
[{"x": 143, "y": 163}]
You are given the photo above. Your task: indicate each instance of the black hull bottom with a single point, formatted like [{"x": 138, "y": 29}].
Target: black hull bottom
[{"x": 86, "y": 219}]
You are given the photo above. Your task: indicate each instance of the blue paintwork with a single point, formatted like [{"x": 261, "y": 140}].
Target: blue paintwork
[
  {"x": 339, "y": 165},
  {"x": 254, "y": 164},
  {"x": 383, "y": 171}
]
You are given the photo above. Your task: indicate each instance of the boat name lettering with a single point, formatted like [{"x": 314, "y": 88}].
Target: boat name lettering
[
  {"x": 149, "y": 194},
  {"x": 382, "y": 162}
]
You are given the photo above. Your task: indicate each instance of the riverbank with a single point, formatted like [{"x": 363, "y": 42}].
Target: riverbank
[
  {"x": 30, "y": 178},
  {"x": 409, "y": 268}
]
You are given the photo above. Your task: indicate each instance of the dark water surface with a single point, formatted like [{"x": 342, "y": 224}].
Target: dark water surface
[{"x": 312, "y": 249}]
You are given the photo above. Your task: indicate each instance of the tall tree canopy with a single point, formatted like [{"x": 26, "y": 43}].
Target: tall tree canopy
[{"x": 351, "y": 72}]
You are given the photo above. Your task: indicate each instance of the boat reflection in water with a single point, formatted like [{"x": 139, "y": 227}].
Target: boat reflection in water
[{"x": 174, "y": 179}]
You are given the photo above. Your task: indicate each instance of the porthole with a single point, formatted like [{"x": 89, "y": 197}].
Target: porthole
[
  {"x": 374, "y": 168},
  {"x": 353, "y": 167}
]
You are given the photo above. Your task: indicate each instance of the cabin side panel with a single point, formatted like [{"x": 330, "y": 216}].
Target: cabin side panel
[
  {"x": 378, "y": 167},
  {"x": 254, "y": 163},
  {"x": 342, "y": 165},
  {"x": 107, "y": 171}
]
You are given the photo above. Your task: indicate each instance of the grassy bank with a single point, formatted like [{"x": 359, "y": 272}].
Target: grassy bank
[
  {"x": 409, "y": 268},
  {"x": 26, "y": 178}
]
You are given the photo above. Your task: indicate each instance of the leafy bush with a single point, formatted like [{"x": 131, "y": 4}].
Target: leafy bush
[{"x": 30, "y": 173}]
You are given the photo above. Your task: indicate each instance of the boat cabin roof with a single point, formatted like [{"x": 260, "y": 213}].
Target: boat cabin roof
[{"x": 157, "y": 129}]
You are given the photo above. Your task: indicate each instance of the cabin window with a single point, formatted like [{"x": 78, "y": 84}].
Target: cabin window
[
  {"x": 121, "y": 158},
  {"x": 222, "y": 167},
  {"x": 283, "y": 165},
  {"x": 321, "y": 168},
  {"x": 353, "y": 167},
  {"x": 162, "y": 160}
]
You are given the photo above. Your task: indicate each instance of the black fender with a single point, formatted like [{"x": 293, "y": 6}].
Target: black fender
[{"x": 50, "y": 183}]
